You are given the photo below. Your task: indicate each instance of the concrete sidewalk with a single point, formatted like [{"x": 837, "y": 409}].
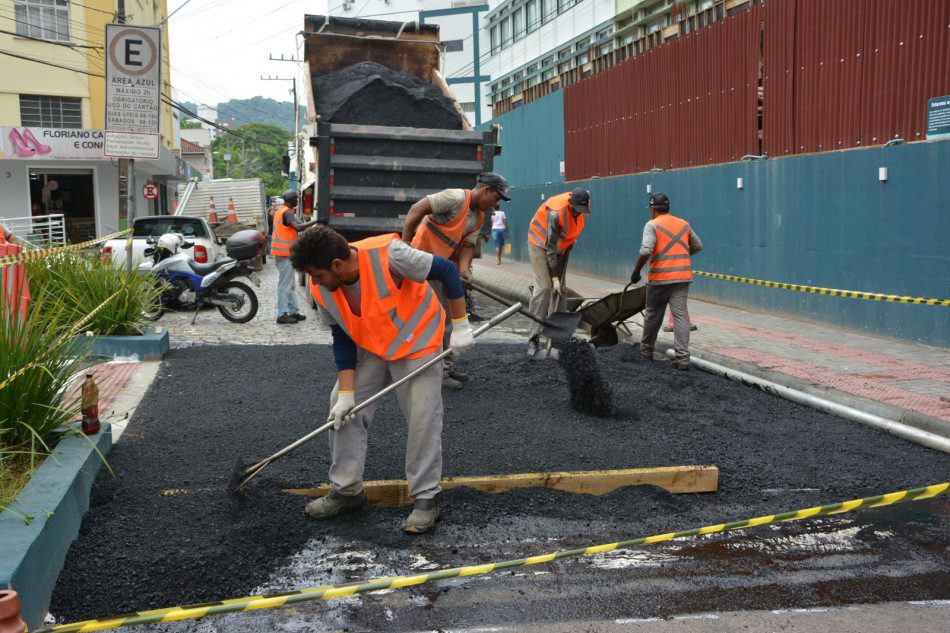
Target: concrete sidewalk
[{"x": 893, "y": 379}]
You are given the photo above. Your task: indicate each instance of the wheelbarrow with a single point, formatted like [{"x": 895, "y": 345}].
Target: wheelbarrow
[{"x": 605, "y": 315}]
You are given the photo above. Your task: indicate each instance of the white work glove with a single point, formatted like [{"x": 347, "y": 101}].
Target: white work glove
[
  {"x": 340, "y": 413},
  {"x": 556, "y": 285},
  {"x": 462, "y": 337}
]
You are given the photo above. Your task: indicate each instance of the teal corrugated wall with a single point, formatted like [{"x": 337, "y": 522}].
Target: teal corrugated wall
[
  {"x": 822, "y": 220},
  {"x": 532, "y": 139}
]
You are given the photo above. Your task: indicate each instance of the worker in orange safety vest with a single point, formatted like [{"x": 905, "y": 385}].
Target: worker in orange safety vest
[
  {"x": 552, "y": 233},
  {"x": 447, "y": 224},
  {"x": 386, "y": 322},
  {"x": 668, "y": 243},
  {"x": 286, "y": 228},
  {"x": 6, "y": 235}
]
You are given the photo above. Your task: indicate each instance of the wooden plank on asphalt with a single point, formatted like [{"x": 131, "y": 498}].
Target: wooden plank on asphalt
[{"x": 392, "y": 493}]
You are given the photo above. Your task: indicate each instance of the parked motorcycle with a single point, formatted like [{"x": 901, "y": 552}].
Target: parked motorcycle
[{"x": 187, "y": 285}]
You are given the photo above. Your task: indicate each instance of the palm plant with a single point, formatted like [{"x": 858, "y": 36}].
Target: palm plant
[{"x": 78, "y": 284}]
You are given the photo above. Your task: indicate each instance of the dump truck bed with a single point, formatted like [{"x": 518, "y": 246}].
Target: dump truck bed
[{"x": 369, "y": 175}]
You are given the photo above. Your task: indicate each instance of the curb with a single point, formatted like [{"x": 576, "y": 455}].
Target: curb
[
  {"x": 152, "y": 345},
  {"x": 889, "y": 412},
  {"x": 57, "y": 495}
]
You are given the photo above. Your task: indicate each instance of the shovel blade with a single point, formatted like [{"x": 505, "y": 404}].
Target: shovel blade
[{"x": 561, "y": 325}]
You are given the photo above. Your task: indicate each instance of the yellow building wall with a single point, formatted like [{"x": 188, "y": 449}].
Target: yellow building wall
[
  {"x": 20, "y": 76},
  {"x": 87, "y": 23}
]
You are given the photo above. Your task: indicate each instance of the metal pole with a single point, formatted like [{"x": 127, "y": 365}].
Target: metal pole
[
  {"x": 297, "y": 145},
  {"x": 125, "y": 169}
]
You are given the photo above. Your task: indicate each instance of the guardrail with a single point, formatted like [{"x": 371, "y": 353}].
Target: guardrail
[{"x": 39, "y": 230}]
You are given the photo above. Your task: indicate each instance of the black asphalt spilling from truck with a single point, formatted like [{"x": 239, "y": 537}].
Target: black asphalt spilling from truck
[{"x": 163, "y": 533}]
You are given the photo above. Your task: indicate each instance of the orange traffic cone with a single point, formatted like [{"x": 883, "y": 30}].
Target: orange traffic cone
[
  {"x": 669, "y": 324},
  {"x": 10, "y": 619},
  {"x": 212, "y": 214},
  {"x": 232, "y": 216}
]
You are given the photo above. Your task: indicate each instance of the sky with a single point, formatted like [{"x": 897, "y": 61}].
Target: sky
[{"x": 220, "y": 48}]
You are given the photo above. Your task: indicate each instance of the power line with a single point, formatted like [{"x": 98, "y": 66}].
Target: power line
[
  {"x": 88, "y": 8},
  {"x": 40, "y": 39},
  {"x": 54, "y": 65},
  {"x": 168, "y": 17},
  {"x": 251, "y": 22}
]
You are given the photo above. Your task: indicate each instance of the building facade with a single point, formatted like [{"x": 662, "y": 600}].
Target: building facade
[
  {"x": 463, "y": 43},
  {"x": 52, "y": 116}
]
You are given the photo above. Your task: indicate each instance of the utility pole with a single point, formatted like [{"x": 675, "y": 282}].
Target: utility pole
[
  {"x": 126, "y": 169},
  {"x": 298, "y": 154}
]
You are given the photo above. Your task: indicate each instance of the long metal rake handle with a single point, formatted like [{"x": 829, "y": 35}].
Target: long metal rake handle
[
  {"x": 491, "y": 295},
  {"x": 256, "y": 468}
]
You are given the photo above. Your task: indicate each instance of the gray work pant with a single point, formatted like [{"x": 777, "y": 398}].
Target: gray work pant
[
  {"x": 448, "y": 361},
  {"x": 540, "y": 303},
  {"x": 420, "y": 400},
  {"x": 658, "y": 297},
  {"x": 286, "y": 292}
]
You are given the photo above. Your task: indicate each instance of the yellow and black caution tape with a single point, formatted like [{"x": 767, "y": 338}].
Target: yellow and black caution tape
[
  {"x": 317, "y": 593},
  {"x": 41, "y": 253},
  {"x": 851, "y": 294}
]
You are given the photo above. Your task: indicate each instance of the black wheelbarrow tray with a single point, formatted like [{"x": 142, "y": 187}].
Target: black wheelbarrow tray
[{"x": 603, "y": 316}]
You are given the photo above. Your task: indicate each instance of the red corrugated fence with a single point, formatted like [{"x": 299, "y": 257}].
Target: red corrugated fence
[
  {"x": 689, "y": 102},
  {"x": 834, "y": 75}
]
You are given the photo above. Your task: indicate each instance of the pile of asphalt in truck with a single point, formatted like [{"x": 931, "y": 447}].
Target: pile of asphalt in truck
[{"x": 372, "y": 94}]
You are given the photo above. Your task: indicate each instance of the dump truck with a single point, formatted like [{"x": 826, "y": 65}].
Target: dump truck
[
  {"x": 247, "y": 195},
  {"x": 363, "y": 178}
]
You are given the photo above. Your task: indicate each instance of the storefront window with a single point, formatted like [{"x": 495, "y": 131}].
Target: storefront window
[{"x": 67, "y": 191}]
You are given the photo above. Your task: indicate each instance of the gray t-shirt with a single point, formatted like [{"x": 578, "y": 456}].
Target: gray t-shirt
[
  {"x": 404, "y": 262},
  {"x": 446, "y": 206}
]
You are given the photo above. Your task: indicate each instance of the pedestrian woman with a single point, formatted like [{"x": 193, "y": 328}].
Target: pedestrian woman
[{"x": 499, "y": 231}]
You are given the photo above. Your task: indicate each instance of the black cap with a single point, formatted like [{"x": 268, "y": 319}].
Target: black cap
[
  {"x": 290, "y": 193},
  {"x": 659, "y": 201},
  {"x": 496, "y": 182},
  {"x": 580, "y": 199}
]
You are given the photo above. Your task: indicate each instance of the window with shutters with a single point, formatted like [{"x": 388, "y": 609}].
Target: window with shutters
[
  {"x": 43, "y": 19},
  {"x": 43, "y": 111}
]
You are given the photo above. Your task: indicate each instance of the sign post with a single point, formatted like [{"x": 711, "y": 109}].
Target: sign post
[{"x": 133, "y": 103}]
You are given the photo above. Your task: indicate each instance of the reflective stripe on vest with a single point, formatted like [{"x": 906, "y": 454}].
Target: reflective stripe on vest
[
  {"x": 570, "y": 226},
  {"x": 395, "y": 321},
  {"x": 283, "y": 237},
  {"x": 670, "y": 259},
  {"x": 445, "y": 240}
]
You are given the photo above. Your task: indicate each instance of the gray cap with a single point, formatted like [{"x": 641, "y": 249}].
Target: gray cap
[
  {"x": 580, "y": 199},
  {"x": 496, "y": 182}
]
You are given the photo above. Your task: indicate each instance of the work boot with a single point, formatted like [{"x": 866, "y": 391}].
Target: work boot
[
  {"x": 286, "y": 319},
  {"x": 456, "y": 374},
  {"x": 646, "y": 352},
  {"x": 450, "y": 383},
  {"x": 334, "y": 503},
  {"x": 681, "y": 364},
  {"x": 298, "y": 316},
  {"x": 532, "y": 346},
  {"x": 424, "y": 515}
]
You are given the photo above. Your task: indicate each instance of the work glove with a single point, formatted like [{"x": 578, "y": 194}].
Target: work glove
[
  {"x": 462, "y": 336},
  {"x": 467, "y": 278},
  {"x": 340, "y": 413},
  {"x": 556, "y": 285},
  {"x": 635, "y": 276}
]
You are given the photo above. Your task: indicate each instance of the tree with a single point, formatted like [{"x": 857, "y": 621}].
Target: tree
[
  {"x": 190, "y": 124},
  {"x": 250, "y": 159}
]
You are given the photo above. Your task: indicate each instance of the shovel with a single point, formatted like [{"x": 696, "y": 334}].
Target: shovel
[
  {"x": 240, "y": 474},
  {"x": 558, "y": 325}
]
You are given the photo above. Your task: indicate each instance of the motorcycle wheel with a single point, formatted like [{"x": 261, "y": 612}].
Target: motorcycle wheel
[{"x": 248, "y": 311}]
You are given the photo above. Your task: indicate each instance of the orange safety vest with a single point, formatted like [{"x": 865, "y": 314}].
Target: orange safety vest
[
  {"x": 283, "y": 236},
  {"x": 3, "y": 237},
  {"x": 571, "y": 227},
  {"x": 395, "y": 320},
  {"x": 445, "y": 240},
  {"x": 670, "y": 258}
]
